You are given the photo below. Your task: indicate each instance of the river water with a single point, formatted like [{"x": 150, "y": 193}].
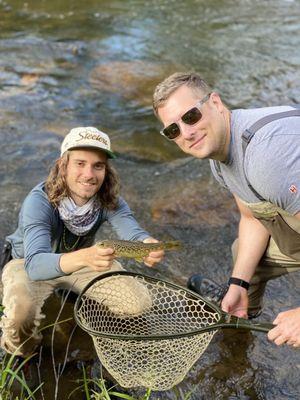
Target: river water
[{"x": 72, "y": 63}]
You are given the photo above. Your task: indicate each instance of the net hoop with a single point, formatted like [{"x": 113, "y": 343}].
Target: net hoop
[
  {"x": 175, "y": 287},
  {"x": 149, "y": 332}
]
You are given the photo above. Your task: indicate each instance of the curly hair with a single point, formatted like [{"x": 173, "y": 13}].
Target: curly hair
[{"x": 57, "y": 188}]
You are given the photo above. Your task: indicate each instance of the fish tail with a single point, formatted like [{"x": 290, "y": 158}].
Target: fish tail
[{"x": 173, "y": 244}]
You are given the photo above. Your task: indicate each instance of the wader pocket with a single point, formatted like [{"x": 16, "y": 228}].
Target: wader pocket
[{"x": 286, "y": 238}]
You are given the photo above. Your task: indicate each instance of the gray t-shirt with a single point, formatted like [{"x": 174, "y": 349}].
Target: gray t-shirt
[{"x": 272, "y": 159}]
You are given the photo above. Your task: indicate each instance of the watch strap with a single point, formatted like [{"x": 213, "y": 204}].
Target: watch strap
[{"x": 238, "y": 282}]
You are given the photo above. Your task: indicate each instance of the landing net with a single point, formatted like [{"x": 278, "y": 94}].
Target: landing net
[{"x": 142, "y": 328}]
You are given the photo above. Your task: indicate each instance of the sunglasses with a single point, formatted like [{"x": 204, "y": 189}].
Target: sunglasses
[{"x": 191, "y": 117}]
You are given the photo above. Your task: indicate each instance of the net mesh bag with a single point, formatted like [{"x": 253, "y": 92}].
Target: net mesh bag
[{"x": 143, "y": 328}]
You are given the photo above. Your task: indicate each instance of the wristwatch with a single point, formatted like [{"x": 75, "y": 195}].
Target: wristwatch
[{"x": 238, "y": 282}]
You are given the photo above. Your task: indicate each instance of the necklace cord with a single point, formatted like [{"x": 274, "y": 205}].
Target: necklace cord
[{"x": 65, "y": 242}]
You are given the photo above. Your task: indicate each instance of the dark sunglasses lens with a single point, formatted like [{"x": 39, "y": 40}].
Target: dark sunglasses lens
[
  {"x": 172, "y": 131},
  {"x": 192, "y": 116}
]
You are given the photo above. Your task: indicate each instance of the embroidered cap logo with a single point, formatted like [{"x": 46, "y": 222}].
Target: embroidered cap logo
[{"x": 92, "y": 136}]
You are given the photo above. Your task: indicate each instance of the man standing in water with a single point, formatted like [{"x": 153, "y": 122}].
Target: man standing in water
[
  {"x": 53, "y": 244},
  {"x": 255, "y": 154}
]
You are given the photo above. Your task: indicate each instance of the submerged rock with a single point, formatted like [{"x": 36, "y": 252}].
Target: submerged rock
[
  {"x": 130, "y": 79},
  {"x": 192, "y": 203}
]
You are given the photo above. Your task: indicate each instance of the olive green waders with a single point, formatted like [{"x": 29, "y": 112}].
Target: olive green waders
[{"x": 281, "y": 257}]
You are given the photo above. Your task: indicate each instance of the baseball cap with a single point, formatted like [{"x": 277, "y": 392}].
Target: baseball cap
[{"x": 89, "y": 137}]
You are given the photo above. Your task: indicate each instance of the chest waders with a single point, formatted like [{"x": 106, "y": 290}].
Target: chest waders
[{"x": 283, "y": 227}]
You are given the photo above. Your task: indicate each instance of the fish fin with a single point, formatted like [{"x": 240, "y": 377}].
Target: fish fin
[{"x": 139, "y": 259}]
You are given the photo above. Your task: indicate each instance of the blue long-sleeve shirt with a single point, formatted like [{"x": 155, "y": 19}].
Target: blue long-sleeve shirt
[{"x": 39, "y": 235}]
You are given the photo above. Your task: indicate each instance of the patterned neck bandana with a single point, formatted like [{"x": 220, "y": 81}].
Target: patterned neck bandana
[{"x": 79, "y": 220}]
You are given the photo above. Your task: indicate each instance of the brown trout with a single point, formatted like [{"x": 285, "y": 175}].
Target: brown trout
[{"x": 135, "y": 249}]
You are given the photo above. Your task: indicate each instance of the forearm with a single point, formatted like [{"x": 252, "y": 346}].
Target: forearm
[
  {"x": 50, "y": 266},
  {"x": 94, "y": 257},
  {"x": 71, "y": 262},
  {"x": 252, "y": 242},
  {"x": 43, "y": 266}
]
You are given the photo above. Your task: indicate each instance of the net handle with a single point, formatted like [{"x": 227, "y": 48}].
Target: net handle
[{"x": 231, "y": 321}]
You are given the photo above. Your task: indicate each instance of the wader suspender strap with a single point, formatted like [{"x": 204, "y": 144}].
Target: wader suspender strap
[
  {"x": 218, "y": 171},
  {"x": 248, "y": 135}
]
